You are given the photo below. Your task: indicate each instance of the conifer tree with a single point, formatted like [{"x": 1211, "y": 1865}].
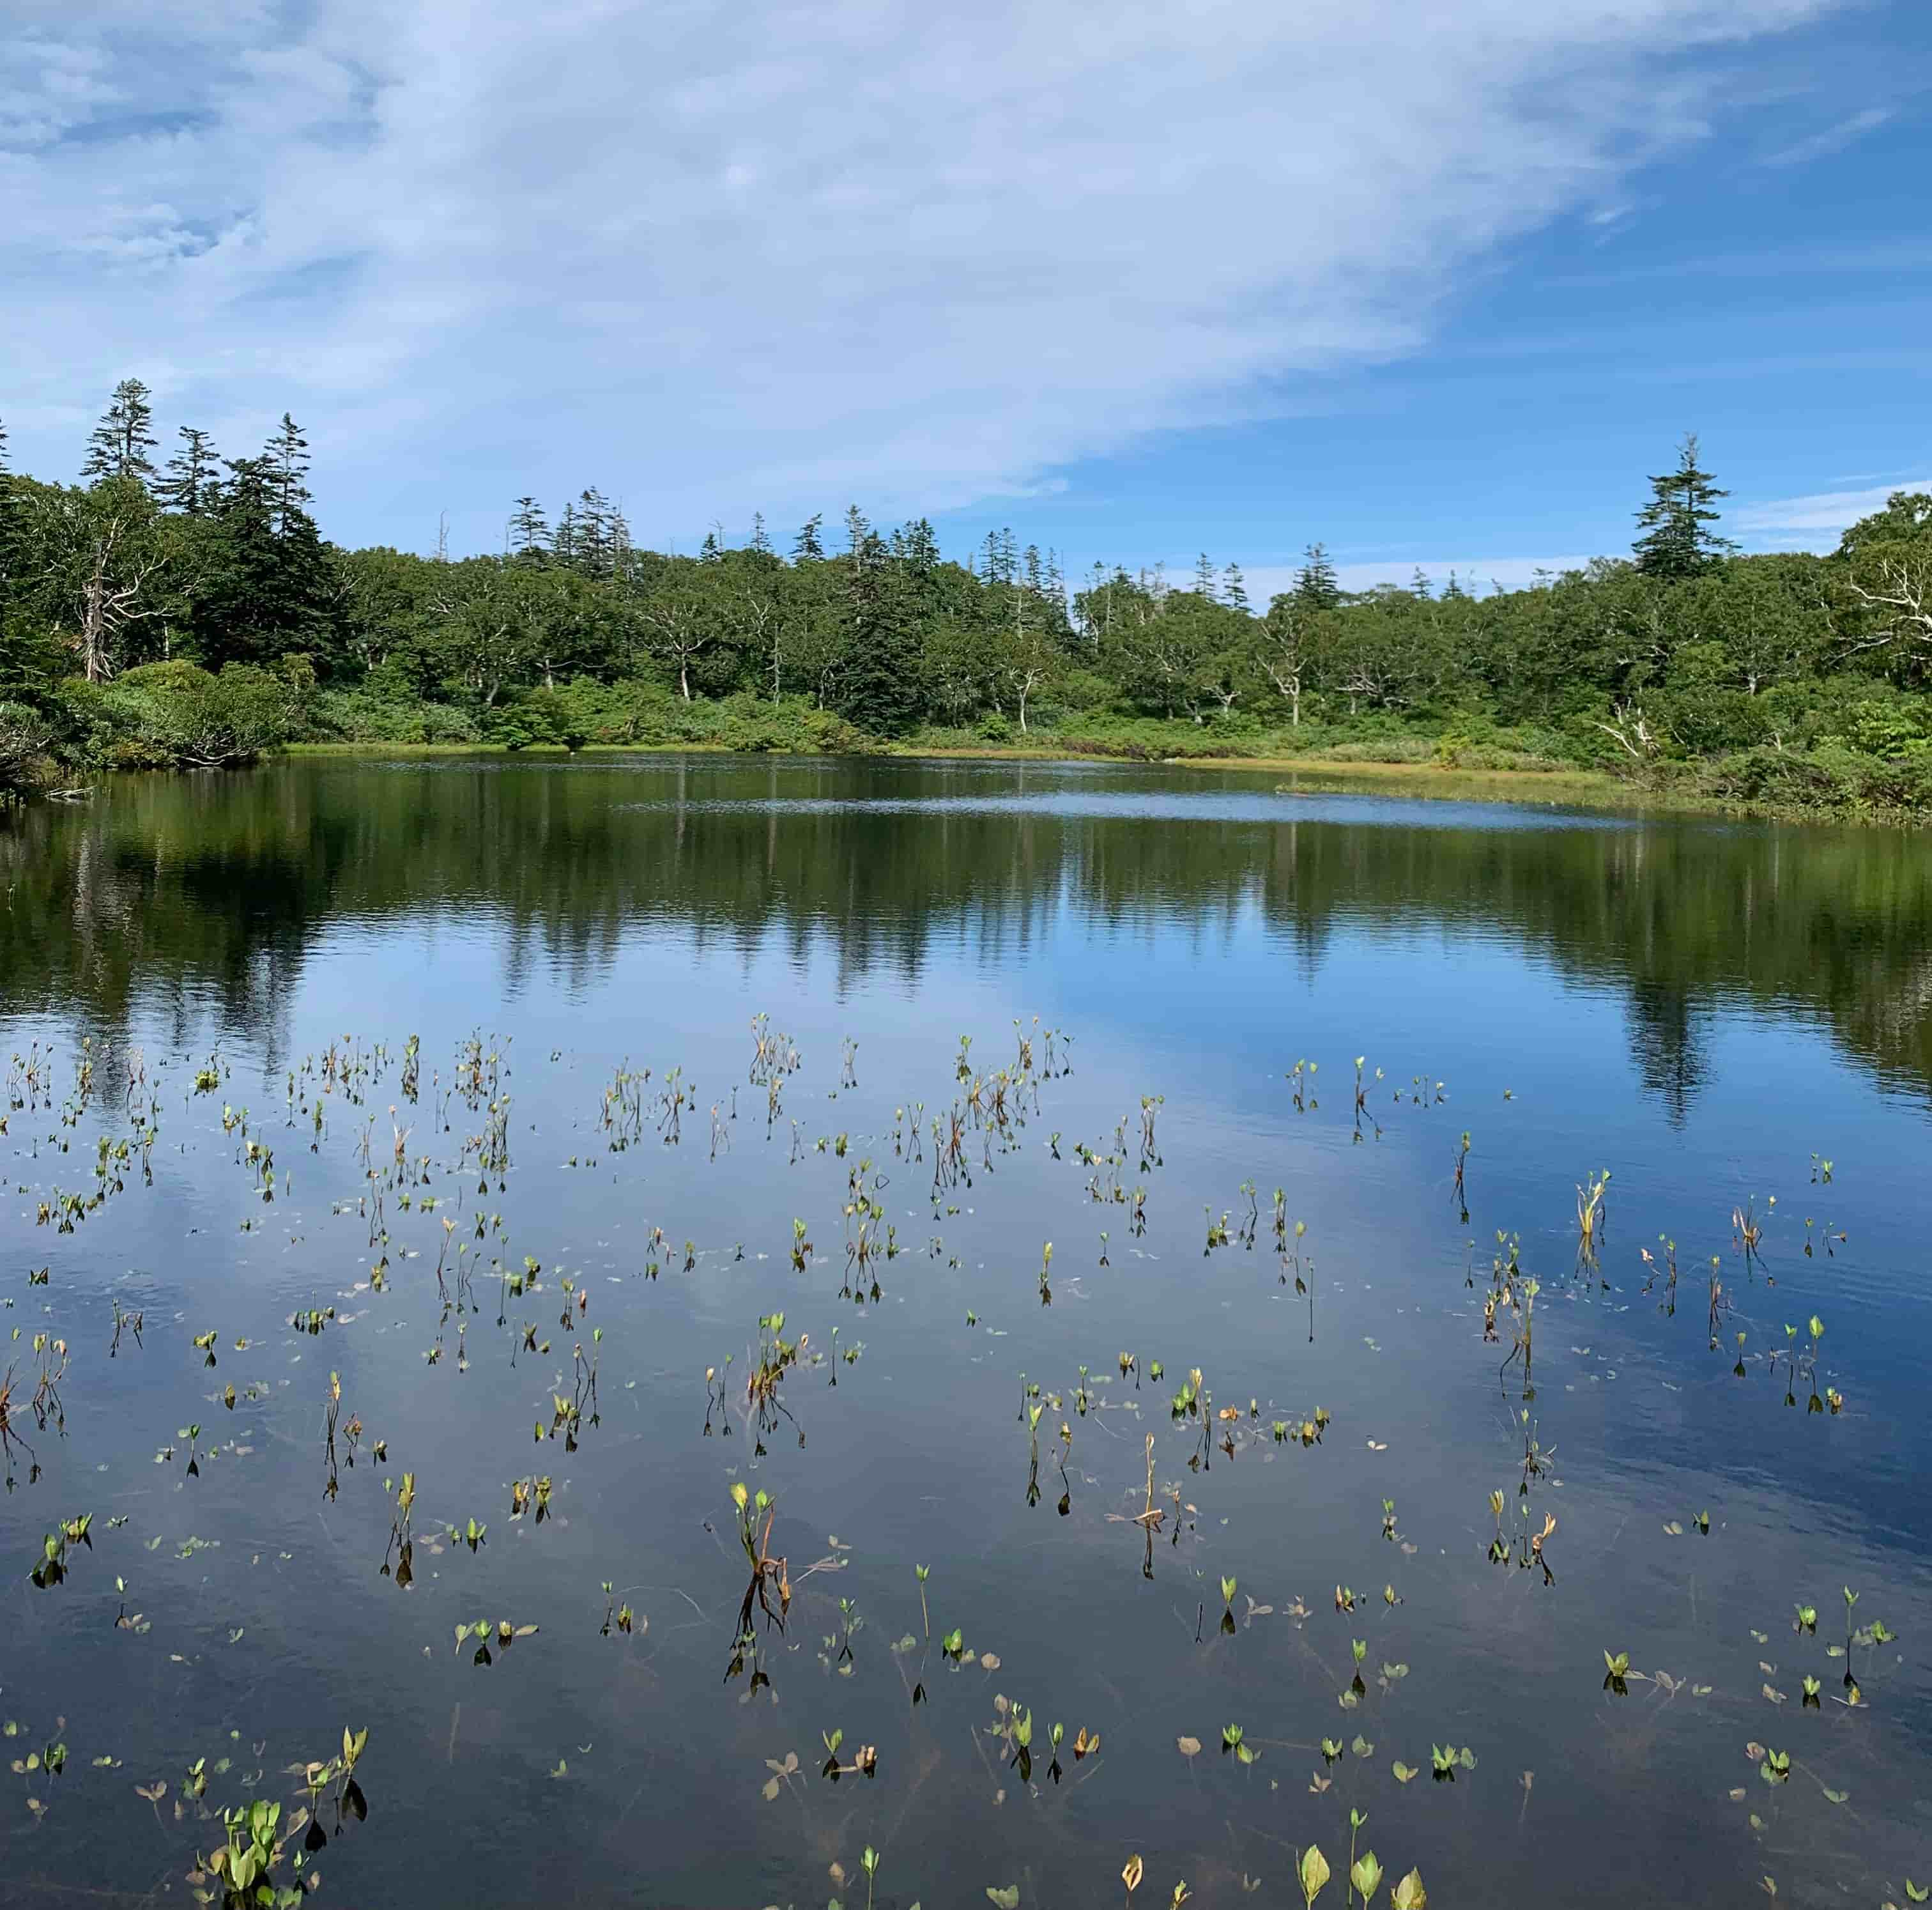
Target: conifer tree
[
  {"x": 1234, "y": 587},
  {"x": 1677, "y": 541},
  {"x": 529, "y": 532},
  {"x": 761, "y": 541},
  {"x": 1315, "y": 584},
  {"x": 1204, "y": 578},
  {"x": 193, "y": 485},
  {"x": 879, "y": 688},
  {"x": 121, "y": 445},
  {"x": 286, "y": 457},
  {"x": 806, "y": 547}
]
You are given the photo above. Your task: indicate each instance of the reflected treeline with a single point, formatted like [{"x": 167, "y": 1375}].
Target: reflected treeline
[{"x": 207, "y": 893}]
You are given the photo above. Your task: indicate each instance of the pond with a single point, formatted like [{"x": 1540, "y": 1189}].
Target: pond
[{"x": 1227, "y": 1308}]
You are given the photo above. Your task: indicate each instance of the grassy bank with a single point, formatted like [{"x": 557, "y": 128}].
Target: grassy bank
[
  {"x": 1790, "y": 787},
  {"x": 173, "y": 716}
]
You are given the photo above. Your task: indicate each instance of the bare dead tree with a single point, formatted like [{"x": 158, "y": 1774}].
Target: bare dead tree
[{"x": 679, "y": 635}]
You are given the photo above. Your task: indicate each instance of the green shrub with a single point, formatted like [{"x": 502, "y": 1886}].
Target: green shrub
[
  {"x": 177, "y": 714},
  {"x": 26, "y": 737}
]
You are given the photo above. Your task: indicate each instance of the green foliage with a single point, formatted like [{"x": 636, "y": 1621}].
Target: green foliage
[
  {"x": 1777, "y": 681},
  {"x": 26, "y": 736},
  {"x": 177, "y": 714}
]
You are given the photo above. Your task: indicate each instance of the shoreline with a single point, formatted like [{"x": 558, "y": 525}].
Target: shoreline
[{"x": 1590, "y": 790}]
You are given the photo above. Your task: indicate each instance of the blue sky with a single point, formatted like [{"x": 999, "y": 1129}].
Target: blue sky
[{"x": 1436, "y": 284}]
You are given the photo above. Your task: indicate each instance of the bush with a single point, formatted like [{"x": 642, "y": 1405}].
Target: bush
[
  {"x": 1705, "y": 720},
  {"x": 25, "y": 738},
  {"x": 176, "y": 714},
  {"x": 356, "y": 715},
  {"x": 1886, "y": 726}
]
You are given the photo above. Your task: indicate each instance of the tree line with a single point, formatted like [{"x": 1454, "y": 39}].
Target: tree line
[{"x": 130, "y": 587}]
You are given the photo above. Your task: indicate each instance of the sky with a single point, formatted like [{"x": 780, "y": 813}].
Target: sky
[{"x": 1437, "y": 284}]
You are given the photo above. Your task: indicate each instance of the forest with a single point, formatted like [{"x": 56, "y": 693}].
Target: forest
[{"x": 186, "y": 611}]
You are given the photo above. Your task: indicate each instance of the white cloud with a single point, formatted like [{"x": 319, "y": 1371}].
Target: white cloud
[
  {"x": 778, "y": 254},
  {"x": 1831, "y": 138},
  {"x": 1815, "y": 521}
]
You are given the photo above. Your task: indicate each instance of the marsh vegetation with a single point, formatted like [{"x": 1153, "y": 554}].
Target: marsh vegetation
[{"x": 1042, "y": 1377}]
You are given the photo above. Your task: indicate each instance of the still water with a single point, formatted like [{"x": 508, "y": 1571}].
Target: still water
[{"x": 1710, "y": 1012}]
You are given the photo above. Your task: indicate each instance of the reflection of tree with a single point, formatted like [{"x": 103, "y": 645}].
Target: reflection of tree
[
  {"x": 1664, "y": 1040},
  {"x": 209, "y": 893}
]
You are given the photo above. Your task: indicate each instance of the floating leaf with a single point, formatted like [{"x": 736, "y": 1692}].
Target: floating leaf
[
  {"x": 1007, "y": 1896},
  {"x": 1189, "y": 1747},
  {"x": 1314, "y": 1872},
  {"x": 1403, "y": 1773},
  {"x": 1130, "y": 1874}
]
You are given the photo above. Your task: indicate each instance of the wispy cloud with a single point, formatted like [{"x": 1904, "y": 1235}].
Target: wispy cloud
[
  {"x": 786, "y": 255},
  {"x": 1815, "y": 521},
  {"x": 1832, "y": 138}
]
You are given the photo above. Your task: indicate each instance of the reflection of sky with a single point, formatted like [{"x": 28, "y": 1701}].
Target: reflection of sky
[{"x": 918, "y": 1456}]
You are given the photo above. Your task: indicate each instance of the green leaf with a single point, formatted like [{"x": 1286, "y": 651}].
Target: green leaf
[
  {"x": 1314, "y": 1873},
  {"x": 1006, "y": 1896}
]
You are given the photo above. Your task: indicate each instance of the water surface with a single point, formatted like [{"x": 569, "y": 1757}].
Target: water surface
[{"x": 1709, "y": 1011}]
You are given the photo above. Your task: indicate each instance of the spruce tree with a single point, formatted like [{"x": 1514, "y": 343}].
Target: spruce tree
[
  {"x": 121, "y": 444},
  {"x": 879, "y": 688},
  {"x": 1204, "y": 578},
  {"x": 529, "y": 533},
  {"x": 286, "y": 457},
  {"x": 9, "y": 532},
  {"x": 1677, "y": 541},
  {"x": 806, "y": 547},
  {"x": 919, "y": 546},
  {"x": 761, "y": 542},
  {"x": 192, "y": 485},
  {"x": 267, "y": 590},
  {"x": 594, "y": 547},
  {"x": 856, "y": 529},
  {"x": 1316, "y": 586},
  {"x": 1234, "y": 587}
]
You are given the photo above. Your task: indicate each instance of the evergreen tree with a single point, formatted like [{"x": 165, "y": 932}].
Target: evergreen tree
[
  {"x": 1420, "y": 584},
  {"x": 563, "y": 543},
  {"x": 1204, "y": 578},
  {"x": 806, "y": 547},
  {"x": 918, "y": 548},
  {"x": 7, "y": 530},
  {"x": 1233, "y": 588},
  {"x": 286, "y": 456},
  {"x": 192, "y": 486},
  {"x": 1316, "y": 586},
  {"x": 1677, "y": 541},
  {"x": 529, "y": 533},
  {"x": 879, "y": 688},
  {"x": 267, "y": 591},
  {"x": 594, "y": 547},
  {"x": 711, "y": 550},
  {"x": 856, "y": 529},
  {"x": 761, "y": 542},
  {"x": 120, "y": 445}
]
